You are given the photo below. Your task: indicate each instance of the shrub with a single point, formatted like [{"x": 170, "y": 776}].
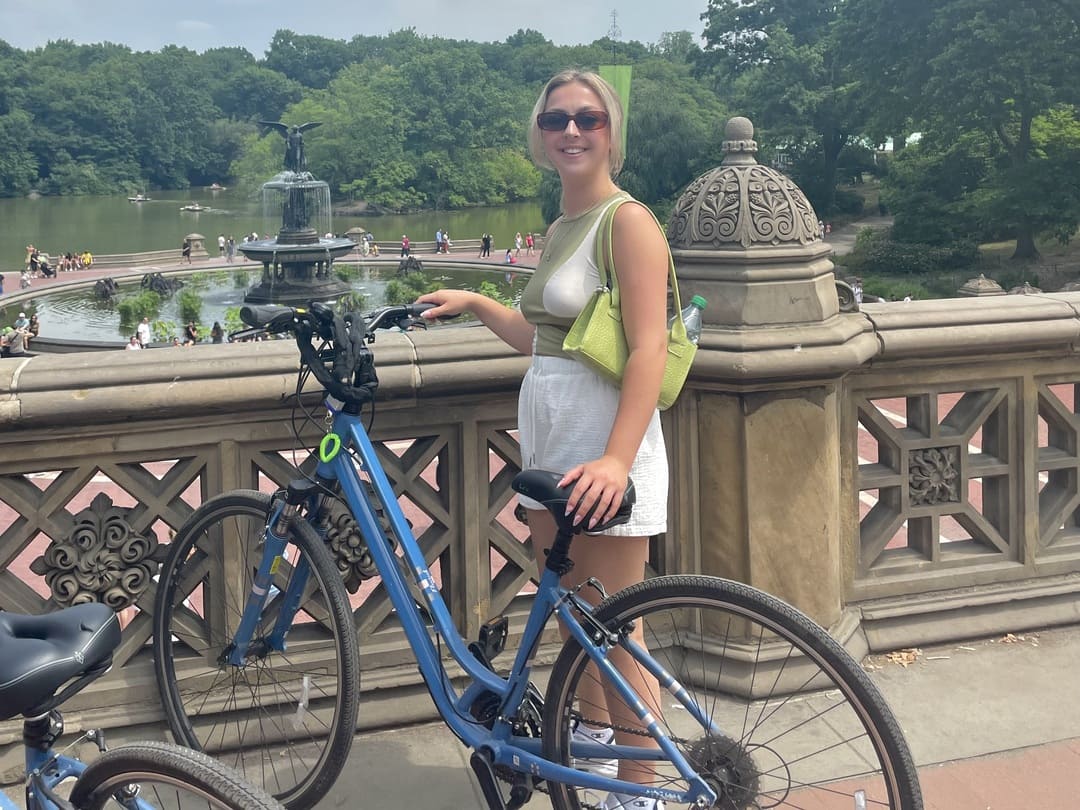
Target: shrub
[
  {"x": 190, "y": 305},
  {"x": 408, "y": 288},
  {"x": 876, "y": 252},
  {"x": 848, "y": 202},
  {"x": 135, "y": 307}
]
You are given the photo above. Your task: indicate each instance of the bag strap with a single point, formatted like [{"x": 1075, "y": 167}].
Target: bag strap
[{"x": 605, "y": 262}]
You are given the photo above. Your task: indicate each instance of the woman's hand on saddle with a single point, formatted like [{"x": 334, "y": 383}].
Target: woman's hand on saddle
[{"x": 600, "y": 483}]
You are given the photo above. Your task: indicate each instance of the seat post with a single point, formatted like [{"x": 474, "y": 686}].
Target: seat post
[{"x": 558, "y": 556}]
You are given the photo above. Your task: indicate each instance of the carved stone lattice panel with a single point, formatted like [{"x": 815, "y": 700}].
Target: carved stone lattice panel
[
  {"x": 1058, "y": 468},
  {"x": 935, "y": 479},
  {"x": 73, "y": 534},
  {"x": 513, "y": 568},
  {"x": 103, "y": 559}
]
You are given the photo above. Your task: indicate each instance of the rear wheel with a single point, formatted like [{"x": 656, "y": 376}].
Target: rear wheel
[
  {"x": 795, "y": 720},
  {"x": 284, "y": 719}
]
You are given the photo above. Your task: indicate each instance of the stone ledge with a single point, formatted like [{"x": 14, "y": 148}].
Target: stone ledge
[
  {"x": 969, "y": 613},
  {"x": 70, "y": 389}
]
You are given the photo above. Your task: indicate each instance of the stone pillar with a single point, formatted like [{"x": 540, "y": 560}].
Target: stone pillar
[{"x": 774, "y": 350}]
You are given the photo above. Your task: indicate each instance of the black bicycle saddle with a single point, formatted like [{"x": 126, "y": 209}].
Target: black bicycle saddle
[
  {"x": 543, "y": 486},
  {"x": 39, "y": 654}
]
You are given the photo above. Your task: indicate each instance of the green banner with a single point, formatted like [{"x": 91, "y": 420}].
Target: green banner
[{"x": 618, "y": 76}]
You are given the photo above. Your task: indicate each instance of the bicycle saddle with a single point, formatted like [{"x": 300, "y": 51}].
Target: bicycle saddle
[
  {"x": 39, "y": 654},
  {"x": 542, "y": 486}
]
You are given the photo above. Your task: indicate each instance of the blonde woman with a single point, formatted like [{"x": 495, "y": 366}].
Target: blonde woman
[{"x": 569, "y": 418}]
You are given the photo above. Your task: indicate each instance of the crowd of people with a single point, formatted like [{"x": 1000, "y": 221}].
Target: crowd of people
[
  {"x": 143, "y": 336},
  {"x": 41, "y": 265},
  {"x": 15, "y": 339}
]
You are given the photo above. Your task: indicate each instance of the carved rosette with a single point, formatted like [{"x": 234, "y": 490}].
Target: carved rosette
[
  {"x": 348, "y": 545},
  {"x": 934, "y": 476},
  {"x": 103, "y": 559},
  {"x": 742, "y": 203}
]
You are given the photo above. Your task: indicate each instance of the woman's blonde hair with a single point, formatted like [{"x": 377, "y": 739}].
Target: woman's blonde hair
[{"x": 608, "y": 98}]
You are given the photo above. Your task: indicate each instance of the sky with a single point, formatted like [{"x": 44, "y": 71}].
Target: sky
[{"x": 201, "y": 24}]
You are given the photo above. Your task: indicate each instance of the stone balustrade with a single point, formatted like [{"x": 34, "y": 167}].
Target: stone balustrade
[{"x": 929, "y": 491}]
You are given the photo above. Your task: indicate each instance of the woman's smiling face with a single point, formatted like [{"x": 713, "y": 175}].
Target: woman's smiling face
[{"x": 573, "y": 151}]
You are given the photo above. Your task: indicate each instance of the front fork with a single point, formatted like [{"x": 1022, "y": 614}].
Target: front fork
[{"x": 283, "y": 511}]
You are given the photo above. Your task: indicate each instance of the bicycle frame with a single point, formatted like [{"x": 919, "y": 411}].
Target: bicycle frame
[{"x": 352, "y": 453}]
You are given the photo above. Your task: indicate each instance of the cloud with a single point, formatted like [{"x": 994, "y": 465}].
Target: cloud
[{"x": 193, "y": 26}]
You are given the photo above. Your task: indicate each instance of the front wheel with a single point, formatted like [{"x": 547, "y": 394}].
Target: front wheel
[
  {"x": 284, "y": 718},
  {"x": 789, "y": 719},
  {"x": 165, "y": 777}
]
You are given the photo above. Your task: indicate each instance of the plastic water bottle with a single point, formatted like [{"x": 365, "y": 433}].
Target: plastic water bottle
[{"x": 691, "y": 316}]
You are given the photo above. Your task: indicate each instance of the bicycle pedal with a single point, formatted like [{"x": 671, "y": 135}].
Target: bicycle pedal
[
  {"x": 492, "y": 637},
  {"x": 485, "y": 776}
]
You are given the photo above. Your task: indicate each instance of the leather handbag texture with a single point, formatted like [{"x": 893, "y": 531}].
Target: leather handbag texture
[{"x": 597, "y": 338}]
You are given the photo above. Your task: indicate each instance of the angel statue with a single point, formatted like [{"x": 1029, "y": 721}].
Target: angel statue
[{"x": 294, "y": 142}]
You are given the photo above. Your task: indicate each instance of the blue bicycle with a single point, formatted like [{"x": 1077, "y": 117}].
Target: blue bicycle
[
  {"x": 44, "y": 660},
  {"x": 696, "y": 691}
]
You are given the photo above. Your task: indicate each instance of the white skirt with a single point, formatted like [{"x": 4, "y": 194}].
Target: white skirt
[{"x": 565, "y": 415}]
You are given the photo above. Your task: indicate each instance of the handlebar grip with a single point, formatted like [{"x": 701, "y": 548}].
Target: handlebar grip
[{"x": 262, "y": 316}]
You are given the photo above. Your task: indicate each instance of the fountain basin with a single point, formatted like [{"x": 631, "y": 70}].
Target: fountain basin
[{"x": 296, "y": 271}]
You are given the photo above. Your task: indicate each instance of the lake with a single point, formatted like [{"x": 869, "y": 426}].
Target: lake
[{"x": 111, "y": 224}]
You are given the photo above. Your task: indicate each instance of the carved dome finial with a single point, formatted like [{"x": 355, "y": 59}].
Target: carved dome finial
[
  {"x": 739, "y": 144},
  {"x": 741, "y": 203}
]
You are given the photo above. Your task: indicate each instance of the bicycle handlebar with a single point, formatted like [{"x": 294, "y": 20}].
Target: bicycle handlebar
[{"x": 351, "y": 375}]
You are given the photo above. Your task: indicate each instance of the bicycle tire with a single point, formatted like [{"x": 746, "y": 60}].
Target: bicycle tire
[
  {"x": 250, "y": 715},
  {"x": 168, "y": 778},
  {"x": 773, "y": 682}
]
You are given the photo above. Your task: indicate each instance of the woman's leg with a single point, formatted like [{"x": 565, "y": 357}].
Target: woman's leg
[{"x": 617, "y": 563}]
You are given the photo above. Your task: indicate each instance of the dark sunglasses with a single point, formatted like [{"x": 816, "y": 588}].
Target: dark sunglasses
[{"x": 586, "y": 120}]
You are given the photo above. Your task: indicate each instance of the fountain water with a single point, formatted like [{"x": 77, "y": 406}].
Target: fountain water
[{"x": 297, "y": 264}]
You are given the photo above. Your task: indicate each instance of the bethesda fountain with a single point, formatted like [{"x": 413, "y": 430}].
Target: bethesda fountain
[{"x": 297, "y": 263}]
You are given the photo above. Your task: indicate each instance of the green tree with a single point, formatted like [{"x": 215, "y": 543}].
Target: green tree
[
  {"x": 672, "y": 133},
  {"x": 313, "y": 61},
  {"x": 989, "y": 65},
  {"x": 782, "y": 64}
]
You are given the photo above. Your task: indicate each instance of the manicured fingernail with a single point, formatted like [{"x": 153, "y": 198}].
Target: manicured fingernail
[{"x": 592, "y": 523}]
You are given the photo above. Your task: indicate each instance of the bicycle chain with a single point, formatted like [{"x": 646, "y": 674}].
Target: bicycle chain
[{"x": 507, "y": 775}]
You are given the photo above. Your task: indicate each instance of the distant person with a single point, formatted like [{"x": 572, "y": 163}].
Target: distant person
[
  {"x": 142, "y": 331},
  {"x": 404, "y": 245},
  {"x": 191, "y": 334},
  {"x": 22, "y": 322},
  {"x": 217, "y": 334},
  {"x": 221, "y": 245},
  {"x": 133, "y": 344},
  {"x": 34, "y": 329},
  {"x": 185, "y": 251},
  {"x": 509, "y": 258},
  {"x": 529, "y": 244},
  {"x": 517, "y": 243},
  {"x": 438, "y": 240},
  {"x": 1, "y": 283}
]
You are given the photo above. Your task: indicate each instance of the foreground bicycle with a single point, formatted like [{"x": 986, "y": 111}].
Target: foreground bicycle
[
  {"x": 760, "y": 707},
  {"x": 46, "y": 659}
]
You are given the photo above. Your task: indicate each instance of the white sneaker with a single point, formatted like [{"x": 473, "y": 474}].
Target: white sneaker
[
  {"x": 620, "y": 801},
  {"x": 600, "y": 767}
]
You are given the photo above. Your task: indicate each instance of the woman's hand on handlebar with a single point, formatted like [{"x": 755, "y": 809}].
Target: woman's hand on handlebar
[{"x": 448, "y": 303}]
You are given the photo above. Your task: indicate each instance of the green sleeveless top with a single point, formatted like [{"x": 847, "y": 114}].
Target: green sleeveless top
[{"x": 566, "y": 277}]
